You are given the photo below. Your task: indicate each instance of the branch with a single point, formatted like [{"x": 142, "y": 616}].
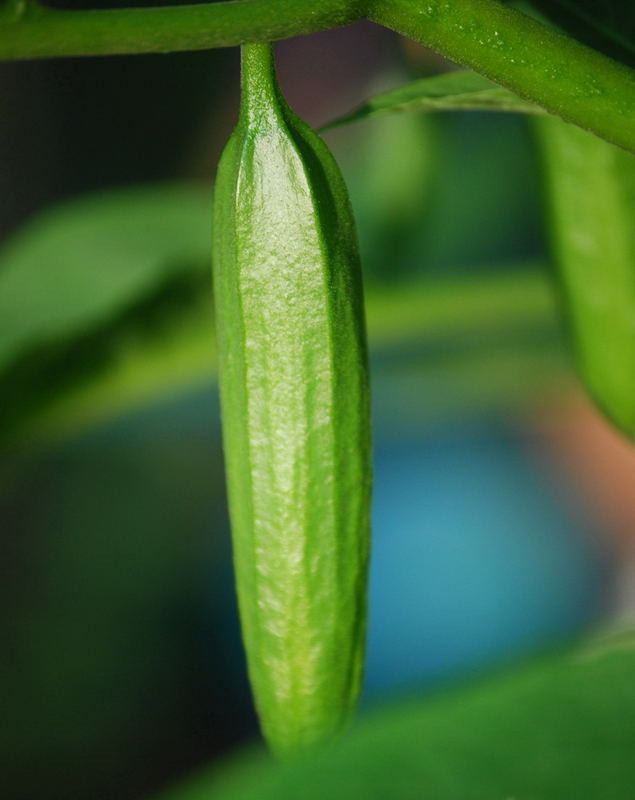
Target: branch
[
  {"x": 46, "y": 33},
  {"x": 558, "y": 73},
  {"x": 567, "y": 78}
]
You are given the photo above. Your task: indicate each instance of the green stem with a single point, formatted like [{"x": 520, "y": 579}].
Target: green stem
[
  {"x": 258, "y": 82},
  {"x": 567, "y": 78},
  {"x": 48, "y": 33}
]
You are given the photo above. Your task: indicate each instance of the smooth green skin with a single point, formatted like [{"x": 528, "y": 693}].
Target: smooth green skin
[
  {"x": 540, "y": 65},
  {"x": 295, "y": 403},
  {"x": 591, "y": 197}
]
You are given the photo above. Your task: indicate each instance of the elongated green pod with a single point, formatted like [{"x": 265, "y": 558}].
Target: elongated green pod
[
  {"x": 591, "y": 201},
  {"x": 295, "y": 406}
]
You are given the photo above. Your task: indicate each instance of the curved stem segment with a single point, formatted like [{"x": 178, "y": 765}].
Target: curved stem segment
[
  {"x": 567, "y": 78},
  {"x": 48, "y": 33}
]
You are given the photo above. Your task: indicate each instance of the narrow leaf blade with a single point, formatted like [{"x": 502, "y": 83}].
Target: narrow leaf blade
[{"x": 461, "y": 90}]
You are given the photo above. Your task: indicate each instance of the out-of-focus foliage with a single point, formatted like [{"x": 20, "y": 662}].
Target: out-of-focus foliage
[
  {"x": 394, "y": 198},
  {"x": 447, "y": 194},
  {"x": 81, "y": 277},
  {"x": 77, "y": 265},
  {"x": 560, "y": 728},
  {"x": 590, "y": 194}
]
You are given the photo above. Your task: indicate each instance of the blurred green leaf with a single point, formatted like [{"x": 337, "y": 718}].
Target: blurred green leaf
[
  {"x": 422, "y": 208},
  {"x": 392, "y": 200},
  {"x": 461, "y": 90},
  {"x": 590, "y": 197},
  {"x": 513, "y": 301},
  {"x": 560, "y": 728},
  {"x": 75, "y": 266},
  {"x": 92, "y": 277}
]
